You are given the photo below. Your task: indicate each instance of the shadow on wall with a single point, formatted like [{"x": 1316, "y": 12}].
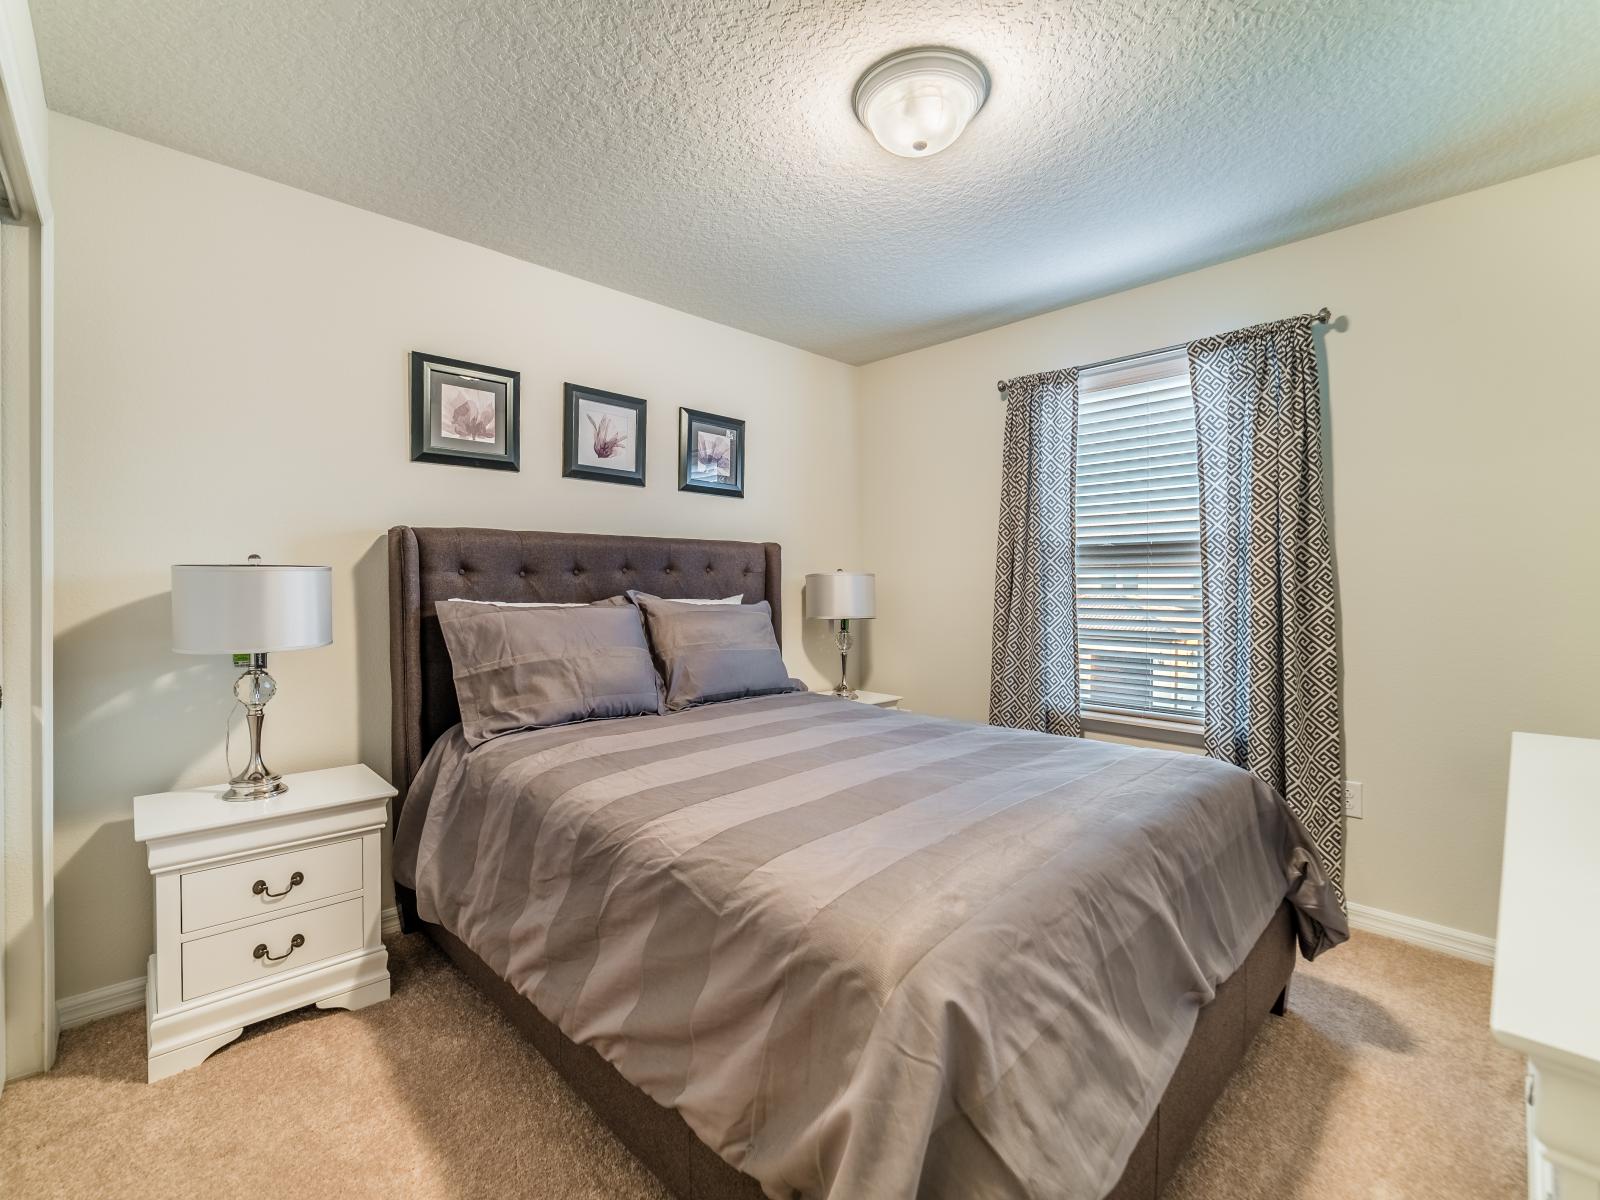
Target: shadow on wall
[
  {"x": 141, "y": 713},
  {"x": 137, "y": 716},
  {"x": 370, "y": 581},
  {"x": 104, "y": 869}
]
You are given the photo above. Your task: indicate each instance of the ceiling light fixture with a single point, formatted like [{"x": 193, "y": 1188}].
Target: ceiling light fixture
[{"x": 917, "y": 102}]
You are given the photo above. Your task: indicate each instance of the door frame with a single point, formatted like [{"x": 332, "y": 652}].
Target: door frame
[{"x": 28, "y": 1021}]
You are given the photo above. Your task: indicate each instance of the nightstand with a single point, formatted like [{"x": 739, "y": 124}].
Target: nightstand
[
  {"x": 262, "y": 906},
  {"x": 876, "y": 699}
]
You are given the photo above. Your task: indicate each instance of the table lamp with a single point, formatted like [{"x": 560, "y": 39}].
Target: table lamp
[
  {"x": 842, "y": 596},
  {"x": 251, "y": 608}
]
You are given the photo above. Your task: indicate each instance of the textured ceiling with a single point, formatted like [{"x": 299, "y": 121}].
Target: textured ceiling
[{"x": 702, "y": 153}]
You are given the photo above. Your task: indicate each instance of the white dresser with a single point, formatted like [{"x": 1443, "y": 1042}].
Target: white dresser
[
  {"x": 1546, "y": 971},
  {"x": 262, "y": 906}
]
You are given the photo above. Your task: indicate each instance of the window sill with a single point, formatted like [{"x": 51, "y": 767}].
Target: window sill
[{"x": 1145, "y": 729}]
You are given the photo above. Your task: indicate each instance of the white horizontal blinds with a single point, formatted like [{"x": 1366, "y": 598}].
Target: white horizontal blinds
[{"x": 1138, "y": 554}]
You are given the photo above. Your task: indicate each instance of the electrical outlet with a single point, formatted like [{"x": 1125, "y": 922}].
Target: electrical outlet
[{"x": 1352, "y": 799}]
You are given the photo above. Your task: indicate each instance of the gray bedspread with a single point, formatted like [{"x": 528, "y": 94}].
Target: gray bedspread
[{"x": 865, "y": 953}]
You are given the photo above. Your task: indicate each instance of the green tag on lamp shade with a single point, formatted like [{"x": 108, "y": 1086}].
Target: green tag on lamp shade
[{"x": 241, "y": 660}]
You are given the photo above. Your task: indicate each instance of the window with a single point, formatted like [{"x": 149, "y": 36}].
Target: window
[{"x": 1138, "y": 556}]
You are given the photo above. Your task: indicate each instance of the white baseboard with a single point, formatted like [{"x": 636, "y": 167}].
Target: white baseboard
[
  {"x": 102, "y": 1002},
  {"x": 1458, "y": 942},
  {"x": 72, "y": 1011}
]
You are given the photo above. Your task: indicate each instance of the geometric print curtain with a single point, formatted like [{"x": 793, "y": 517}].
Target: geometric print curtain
[
  {"x": 1033, "y": 682},
  {"x": 1266, "y": 569}
]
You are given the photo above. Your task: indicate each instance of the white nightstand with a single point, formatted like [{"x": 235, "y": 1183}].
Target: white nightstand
[
  {"x": 262, "y": 906},
  {"x": 876, "y": 699}
]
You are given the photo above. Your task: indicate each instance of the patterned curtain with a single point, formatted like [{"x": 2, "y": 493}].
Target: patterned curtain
[
  {"x": 1033, "y": 681},
  {"x": 1271, "y": 650}
]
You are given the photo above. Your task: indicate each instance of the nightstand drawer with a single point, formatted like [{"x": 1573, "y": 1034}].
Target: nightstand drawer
[
  {"x": 226, "y": 959},
  {"x": 262, "y": 885}
]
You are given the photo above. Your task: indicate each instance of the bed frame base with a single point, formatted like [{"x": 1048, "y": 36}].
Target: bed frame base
[{"x": 661, "y": 1140}]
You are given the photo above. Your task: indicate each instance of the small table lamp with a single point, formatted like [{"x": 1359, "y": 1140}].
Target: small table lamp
[
  {"x": 251, "y": 608},
  {"x": 842, "y": 596}
]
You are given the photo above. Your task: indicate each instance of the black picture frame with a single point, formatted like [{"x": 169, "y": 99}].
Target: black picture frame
[
  {"x": 693, "y": 475},
  {"x": 432, "y": 426},
  {"x": 581, "y": 449}
]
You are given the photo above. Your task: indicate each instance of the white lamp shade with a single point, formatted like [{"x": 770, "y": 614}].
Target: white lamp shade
[
  {"x": 841, "y": 595},
  {"x": 250, "y": 608}
]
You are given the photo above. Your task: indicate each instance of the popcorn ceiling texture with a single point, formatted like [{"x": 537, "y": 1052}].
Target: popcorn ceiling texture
[{"x": 703, "y": 153}]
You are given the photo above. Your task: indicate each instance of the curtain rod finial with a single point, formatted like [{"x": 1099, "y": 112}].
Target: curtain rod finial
[{"x": 1322, "y": 316}]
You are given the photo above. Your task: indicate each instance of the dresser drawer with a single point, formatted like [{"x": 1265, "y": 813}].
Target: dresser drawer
[
  {"x": 230, "y": 893},
  {"x": 226, "y": 959}
]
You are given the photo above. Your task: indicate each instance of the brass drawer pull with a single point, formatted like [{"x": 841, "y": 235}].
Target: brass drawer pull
[
  {"x": 261, "y": 889},
  {"x": 295, "y": 943}
]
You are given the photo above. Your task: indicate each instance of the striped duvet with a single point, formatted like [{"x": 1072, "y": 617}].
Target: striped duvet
[{"x": 865, "y": 953}]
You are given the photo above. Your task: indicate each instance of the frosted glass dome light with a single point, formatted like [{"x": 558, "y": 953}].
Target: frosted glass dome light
[{"x": 917, "y": 102}]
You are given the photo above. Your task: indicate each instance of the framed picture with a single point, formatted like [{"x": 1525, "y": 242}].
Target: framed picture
[
  {"x": 465, "y": 413},
  {"x": 710, "y": 453},
  {"x": 602, "y": 436}
]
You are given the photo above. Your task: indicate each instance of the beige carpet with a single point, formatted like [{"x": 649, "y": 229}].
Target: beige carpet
[{"x": 1381, "y": 1084}]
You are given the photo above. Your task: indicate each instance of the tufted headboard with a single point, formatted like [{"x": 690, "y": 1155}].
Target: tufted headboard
[{"x": 428, "y": 565}]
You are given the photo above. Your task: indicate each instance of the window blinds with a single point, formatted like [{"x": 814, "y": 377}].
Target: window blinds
[{"x": 1138, "y": 554}]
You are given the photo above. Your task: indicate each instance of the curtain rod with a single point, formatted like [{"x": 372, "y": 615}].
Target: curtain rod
[{"x": 1321, "y": 317}]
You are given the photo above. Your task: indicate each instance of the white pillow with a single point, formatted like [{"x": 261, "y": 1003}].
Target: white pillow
[
  {"x": 514, "y": 604},
  {"x": 739, "y": 599}
]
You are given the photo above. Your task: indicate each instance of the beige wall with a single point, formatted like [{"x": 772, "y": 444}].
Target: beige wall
[
  {"x": 232, "y": 377},
  {"x": 1465, "y": 426}
]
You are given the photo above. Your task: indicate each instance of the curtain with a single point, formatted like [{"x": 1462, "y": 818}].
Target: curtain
[
  {"x": 1266, "y": 568},
  {"x": 1033, "y": 681}
]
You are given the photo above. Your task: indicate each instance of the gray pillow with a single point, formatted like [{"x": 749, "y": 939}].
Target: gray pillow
[
  {"x": 712, "y": 652},
  {"x": 521, "y": 668}
]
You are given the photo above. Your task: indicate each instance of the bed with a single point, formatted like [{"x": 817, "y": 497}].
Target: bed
[{"x": 681, "y": 1052}]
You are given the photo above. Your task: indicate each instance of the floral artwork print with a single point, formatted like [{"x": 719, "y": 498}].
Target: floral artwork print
[
  {"x": 466, "y": 414},
  {"x": 607, "y": 438},
  {"x": 713, "y": 455},
  {"x": 605, "y": 434}
]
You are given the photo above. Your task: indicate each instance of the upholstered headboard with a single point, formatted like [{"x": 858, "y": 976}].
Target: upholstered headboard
[{"x": 428, "y": 565}]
